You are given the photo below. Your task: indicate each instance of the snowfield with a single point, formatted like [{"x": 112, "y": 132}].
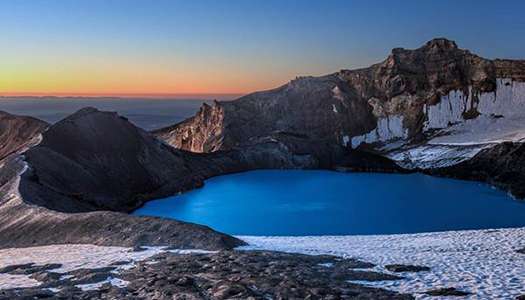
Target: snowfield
[{"x": 482, "y": 262}]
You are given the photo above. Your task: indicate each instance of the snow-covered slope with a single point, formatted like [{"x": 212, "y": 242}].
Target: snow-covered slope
[
  {"x": 462, "y": 124},
  {"x": 482, "y": 262}
]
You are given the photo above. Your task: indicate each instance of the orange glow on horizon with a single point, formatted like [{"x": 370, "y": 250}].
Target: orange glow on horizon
[
  {"x": 102, "y": 78},
  {"x": 127, "y": 95}
]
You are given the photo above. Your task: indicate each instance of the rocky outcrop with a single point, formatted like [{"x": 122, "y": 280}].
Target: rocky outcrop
[
  {"x": 447, "y": 292},
  {"x": 196, "y": 134},
  {"x": 98, "y": 160},
  {"x": 18, "y": 133},
  {"x": 406, "y": 268},
  {"x": 223, "y": 275}
]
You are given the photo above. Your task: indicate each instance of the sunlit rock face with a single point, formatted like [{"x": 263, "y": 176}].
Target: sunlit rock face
[
  {"x": 417, "y": 97},
  {"x": 18, "y": 132},
  {"x": 197, "y": 134}
]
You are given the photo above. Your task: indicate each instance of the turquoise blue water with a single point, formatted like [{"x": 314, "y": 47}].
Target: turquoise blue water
[{"x": 273, "y": 202}]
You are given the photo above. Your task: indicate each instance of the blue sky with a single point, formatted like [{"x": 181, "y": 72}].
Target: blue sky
[{"x": 132, "y": 46}]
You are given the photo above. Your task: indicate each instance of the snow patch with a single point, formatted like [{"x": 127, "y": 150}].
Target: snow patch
[
  {"x": 117, "y": 282},
  {"x": 326, "y": 265},
  {"x": 448, "y": 111},
  {"x": 191, "y": 251},
  {"x": 346, "y": 139},
  {"x": 337, "y": 93},
  {"x": 434, "y": 156},
  {"x": 482, "y": 262},
  {"x": 334, "y": 109},
  {"x": 388, "y": 128}
]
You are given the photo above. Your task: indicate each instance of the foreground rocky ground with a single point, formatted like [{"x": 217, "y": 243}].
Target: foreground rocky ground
[{"x": 221, "y": 275}]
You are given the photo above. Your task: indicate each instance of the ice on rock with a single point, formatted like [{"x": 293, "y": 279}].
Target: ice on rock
[{"x": 387, "y": 129}]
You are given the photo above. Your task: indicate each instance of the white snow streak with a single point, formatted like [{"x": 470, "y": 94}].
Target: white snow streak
[
  {"x": 95, "y": 286},
  {"x": 502, "y": 115},
  {"x": 434, "y": 156},
  {"x": 387, "y": 129}
]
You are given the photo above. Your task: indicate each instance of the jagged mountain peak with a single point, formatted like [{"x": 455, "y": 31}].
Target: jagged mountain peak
[
  {"x": 437, "y": 45},
  {"x": 440, "y": 43}
]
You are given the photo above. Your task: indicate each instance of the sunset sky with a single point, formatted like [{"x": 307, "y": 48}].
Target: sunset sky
[{"x": 109, "y": 47}]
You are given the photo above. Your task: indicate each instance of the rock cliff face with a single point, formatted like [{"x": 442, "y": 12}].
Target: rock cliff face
[
  {"x": 18, "y": 133},
  {"x": 405, "y": 101}
]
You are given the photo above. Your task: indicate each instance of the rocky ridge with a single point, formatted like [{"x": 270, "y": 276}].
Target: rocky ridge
[
  {"x": 71, "y": 186},
  {"x": 427, "y": 108},
  {"x": 342, "y": 107}
]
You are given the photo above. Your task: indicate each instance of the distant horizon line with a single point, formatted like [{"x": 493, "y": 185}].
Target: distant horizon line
[{"x": 158, "y": 96}]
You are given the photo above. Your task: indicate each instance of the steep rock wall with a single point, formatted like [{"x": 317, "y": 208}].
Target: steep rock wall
[{"x": 406, "y": 100}]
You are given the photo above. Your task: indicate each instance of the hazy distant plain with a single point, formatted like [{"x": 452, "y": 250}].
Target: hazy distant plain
[{"x": 146, "y": 113}]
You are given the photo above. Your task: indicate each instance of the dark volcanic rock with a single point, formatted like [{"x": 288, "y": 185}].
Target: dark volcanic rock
[
  {"x": 229, "y": 275},
  {"x": 257, "y": 274},
  {"x": 363, "y": 161},
  {"x": 97, "y": 160},
  {"x": 406, "y": 268},
  {"x": 28, "y": 268},
  {"x": 18, "y": 132},
  {"x": 521, "y": 251},
  {"x": 502, "y": 165},
  {"x": 447, "y": 292}
]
